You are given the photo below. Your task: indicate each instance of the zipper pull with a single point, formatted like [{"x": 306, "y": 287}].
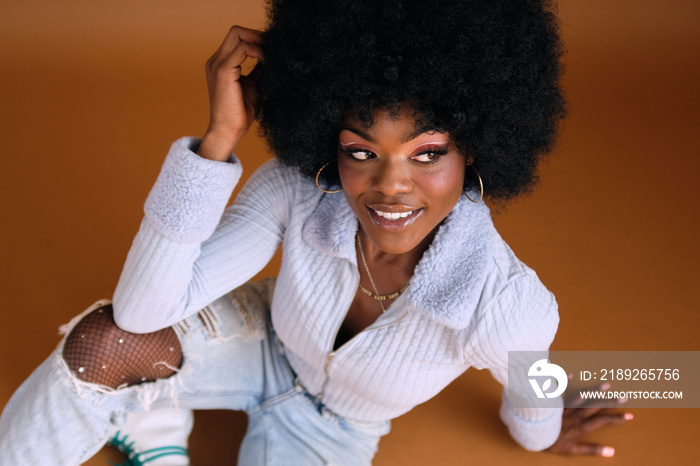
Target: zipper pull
[{"x": 329, "y": 358}]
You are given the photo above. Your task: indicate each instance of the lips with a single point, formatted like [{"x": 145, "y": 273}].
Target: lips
[{"x": 393, "y": 217}]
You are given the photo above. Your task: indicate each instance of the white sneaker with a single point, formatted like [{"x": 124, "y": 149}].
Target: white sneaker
[{"x": 157, "y": 437}]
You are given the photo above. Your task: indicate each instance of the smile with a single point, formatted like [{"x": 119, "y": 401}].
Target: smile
[
  {"x": 392, "y": 215},
  {"x": 393, "y": 221}
]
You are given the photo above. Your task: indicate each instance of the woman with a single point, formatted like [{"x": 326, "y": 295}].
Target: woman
[{"x": 390, "y": 122}]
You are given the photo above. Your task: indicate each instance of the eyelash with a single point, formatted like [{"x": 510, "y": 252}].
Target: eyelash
[{"x": 434, "y": 154}]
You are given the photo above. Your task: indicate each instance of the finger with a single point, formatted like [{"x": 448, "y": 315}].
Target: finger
[
  {"x": 592, "y": 407},
  {"x": 250, "y": 93},
  {"x": 233, "y": 62},
  {"x": 249, "y": 35},
  {"x": 236, "y": 35},
  {"x": 577, "y": 401},
  {"x": 597, "y": 422},
  {"x": 584, "y": 412},
  {"x": 592, "y": 449},
  {"x": 590, "y": 410},
  {"x": 242, "y": 51}
]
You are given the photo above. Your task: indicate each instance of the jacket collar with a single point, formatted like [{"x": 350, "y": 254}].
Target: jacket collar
[{"x": 447, "y": 282}]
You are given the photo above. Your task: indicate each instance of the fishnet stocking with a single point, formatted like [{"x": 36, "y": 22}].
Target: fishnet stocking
[{"x": 98, "y": 351}]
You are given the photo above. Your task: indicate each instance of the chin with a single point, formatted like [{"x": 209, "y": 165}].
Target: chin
[
  {"x": 393, "y": 242},
  {"x": 394, "y": 248}
]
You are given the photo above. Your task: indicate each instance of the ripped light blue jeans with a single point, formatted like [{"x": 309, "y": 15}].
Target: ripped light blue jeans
[{"x": 232, "y": 360}]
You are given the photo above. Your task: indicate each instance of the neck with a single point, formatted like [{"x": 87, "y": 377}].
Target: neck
[{"x": 406, "y": 261}]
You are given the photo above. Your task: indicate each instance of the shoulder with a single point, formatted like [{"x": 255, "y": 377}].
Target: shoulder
[
  {"x": 516, "y": 311},
  {"x": 275, "y": 193}
]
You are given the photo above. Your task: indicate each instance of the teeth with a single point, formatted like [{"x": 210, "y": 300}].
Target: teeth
[{"x": 393, "y": 215}]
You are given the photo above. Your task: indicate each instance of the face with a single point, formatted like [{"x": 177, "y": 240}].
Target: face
[{"x": 400, "y": 182}]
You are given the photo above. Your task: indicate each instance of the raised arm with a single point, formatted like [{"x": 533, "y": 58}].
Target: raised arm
[{"x": 186, "y": 254}]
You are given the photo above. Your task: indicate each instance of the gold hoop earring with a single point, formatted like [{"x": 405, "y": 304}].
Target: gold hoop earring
[
  {"x": 481, "y": 187},
  {"x": 319, "y": 186}
]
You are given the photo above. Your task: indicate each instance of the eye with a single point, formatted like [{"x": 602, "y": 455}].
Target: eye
[
  {"x": 431, "y": 155},
  {"x": 357, "y": 154},
  {"x": 361, "y": 154}
]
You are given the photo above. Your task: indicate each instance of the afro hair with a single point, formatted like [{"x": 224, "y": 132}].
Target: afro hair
[{"x": 485, "y": 71}]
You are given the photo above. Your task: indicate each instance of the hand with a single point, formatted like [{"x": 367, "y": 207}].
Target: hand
[
  {"x": 232, "y": 96},
  {"x": 580, "y": 420}
]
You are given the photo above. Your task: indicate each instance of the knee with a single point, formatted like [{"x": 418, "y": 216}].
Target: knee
[{"x": 98, "y": 351}]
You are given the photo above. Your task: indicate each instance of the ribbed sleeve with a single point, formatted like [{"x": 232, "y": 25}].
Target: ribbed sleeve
[
  {"x": 523, "y": 317},
  {"x": 186, "y": 254}
]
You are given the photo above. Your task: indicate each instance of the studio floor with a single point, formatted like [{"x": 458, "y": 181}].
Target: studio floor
[{"x": 93, "y": 93}]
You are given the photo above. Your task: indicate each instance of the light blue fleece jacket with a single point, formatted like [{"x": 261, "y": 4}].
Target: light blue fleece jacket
[{"x": 469, "y": 302}]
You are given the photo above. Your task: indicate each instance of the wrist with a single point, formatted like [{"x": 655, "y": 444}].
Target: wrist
[{"x": 217, "y": 146}]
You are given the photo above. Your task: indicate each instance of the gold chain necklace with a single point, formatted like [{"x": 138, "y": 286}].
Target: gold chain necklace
[{"x": 376, "y": 296}]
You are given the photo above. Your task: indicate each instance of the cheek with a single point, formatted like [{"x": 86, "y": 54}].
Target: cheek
[
  {"x": 444, "y": 187},
  {"x": 353, "y": 180}
]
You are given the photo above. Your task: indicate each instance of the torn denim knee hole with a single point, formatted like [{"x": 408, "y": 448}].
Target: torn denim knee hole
[
  {"x": 78, "y": 385},
  {"x": 253, "y": 305},
  {"x": 146, "y": 393},
  {"x": 65, "y": 329},
  {"x": 226, "y": 319}
]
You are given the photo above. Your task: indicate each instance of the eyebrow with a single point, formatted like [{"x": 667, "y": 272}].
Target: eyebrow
[
  {"x": 418, "y": 131},
  {"x": 357, "y": 131}
]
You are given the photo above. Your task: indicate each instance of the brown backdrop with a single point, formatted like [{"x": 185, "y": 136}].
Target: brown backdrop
[{"x": 93, "y": 92}]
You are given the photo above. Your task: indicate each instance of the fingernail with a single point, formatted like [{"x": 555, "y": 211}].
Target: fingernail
[
  {"x": 629, "y": 416},
  {"x": 623, "y": 400},
  {"x": 605, "y": 386},
  {"x": 608, "y": 452}
]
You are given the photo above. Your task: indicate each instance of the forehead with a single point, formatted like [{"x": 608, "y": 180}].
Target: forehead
[{"x": 402, "y": 124}]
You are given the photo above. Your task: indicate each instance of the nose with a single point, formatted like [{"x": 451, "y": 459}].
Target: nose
[{"x": 391, "y": 178}]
